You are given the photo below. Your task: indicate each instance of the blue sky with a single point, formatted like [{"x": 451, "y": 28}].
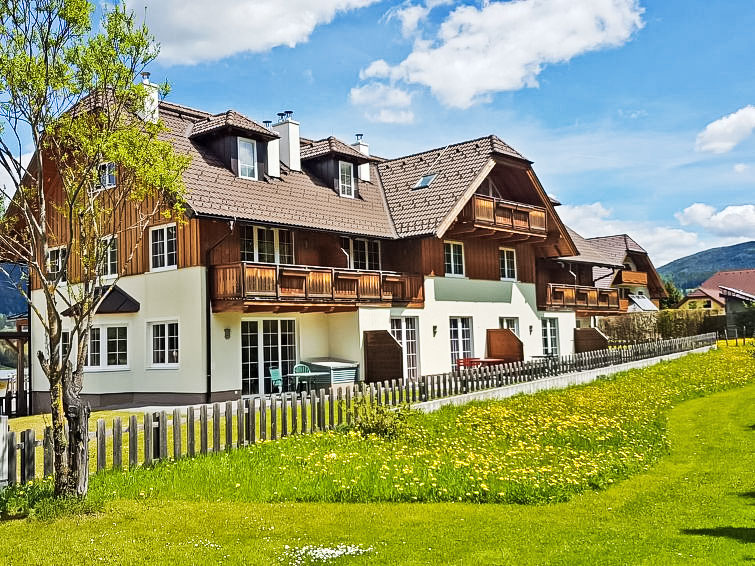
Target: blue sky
[{"x": 621, "y": 104}]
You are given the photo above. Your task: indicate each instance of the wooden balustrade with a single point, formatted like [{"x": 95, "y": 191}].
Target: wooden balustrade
[
  {"x": 258, "y": 281},
  {"x": 579, "y": 296},
  {"x": 626, "y": 277},
  {"x": 504, "y": 214}
]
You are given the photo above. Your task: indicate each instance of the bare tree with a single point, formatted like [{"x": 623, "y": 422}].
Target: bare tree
[{"x": 99, "y": 174}]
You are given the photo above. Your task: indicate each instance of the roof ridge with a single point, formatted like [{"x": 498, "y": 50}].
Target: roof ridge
[{"x": 440, "y": 148}]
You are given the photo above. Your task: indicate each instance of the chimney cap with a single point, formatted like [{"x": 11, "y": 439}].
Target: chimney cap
[
  {"x": 267, "y": 123},
  {"x": 288, "y": 114},
  {"x": 145, "y": 76},
  {"x": 359, "y": 137},
  {"x": 281, "y": 115}
]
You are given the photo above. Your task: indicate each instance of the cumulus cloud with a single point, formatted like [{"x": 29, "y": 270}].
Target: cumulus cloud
[
  {"x": 502, "y": 46},
  {"x": 741, "y": 167},
  {"x": 734, "y": 221},
  {"x": 663, "y": 243},
  {"x": 195, "y": 31},
  {"x": 383, "y": 103},
  {"x": 410, "y": 15},
  {"x": 722, "y": 135}
]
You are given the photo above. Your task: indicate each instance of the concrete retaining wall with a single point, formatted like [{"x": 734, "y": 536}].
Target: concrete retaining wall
[{"x": 556, "y": 382}]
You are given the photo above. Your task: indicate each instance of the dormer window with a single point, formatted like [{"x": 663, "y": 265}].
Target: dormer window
[
  {"x": 425, "y": 181},
  {"x": 346, "y": 179},
  {"x": 106, "y": 175},
  {"x": 247, "y": 159}
]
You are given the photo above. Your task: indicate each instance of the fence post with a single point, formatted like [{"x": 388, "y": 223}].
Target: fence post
[
  {"x": 12, "y": 458},
  {"x": 191, "y": 446},
  {"x": 240, "y": 429},
  {"x": 203, "y": 429},
  {"x": 100, "y": 444},
  {"x": 284, "y": 414},
  {"x": 117, "y": 444},
  {"x": 48, "y": 455},
  {"x": 216, "y": 427},
  {"x": 148, "y": 439},
  {"x": 263, "y": 418},
  {"x": 252, "y": 421},
  {"x": 177, "y": 434},
  {"x": 273, "y": 417},
  {"x": 321, "y": 407},
  {"x": 295, "y": 403},
  {"x": 339, "y": 401},
  {"x": 313, "y": 412},
  {"x": 228, "y": 426},
  {"x": 3, "y": 451},
  {"x": 331, "y": 409},
  {"x": 163, "y": 428},
  {"x": 133, "y": 442}
]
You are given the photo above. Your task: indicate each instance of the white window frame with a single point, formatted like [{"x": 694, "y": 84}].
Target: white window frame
[
  {"x": 105, "y": 170},
  {"x": 461, "y": 245},
  {"x": 104, "y": 348},
  {"x": 62, "y": 252},
  {"x": 366, "y": 242},
  {"x": 403, "y": 342},
  {"x": 509, "y": 323},
  {"x": 253, "y": 143},
  {"x": 347, "y": 191},
  {"x": 457, "y": 321},
  {"x": 550, "y": 348},
  {"x": 261, "y": 347},
  {"x": 276, "y": 243},
  {"x": 105, "y": 272},
  {"x": 502, "y": 254},
  {"x": 164, "y": 228},
  {"x": 150, "y": 352}
]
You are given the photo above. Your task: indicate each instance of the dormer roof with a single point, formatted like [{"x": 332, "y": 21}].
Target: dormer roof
[
  {"x": 234, "y": 121},
  {"x": 313, "y": 149}
]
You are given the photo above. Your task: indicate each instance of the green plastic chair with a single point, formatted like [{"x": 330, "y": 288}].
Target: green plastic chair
[
  {"x": 301, "y": 368},
  {"x": 276, "y": 379}
]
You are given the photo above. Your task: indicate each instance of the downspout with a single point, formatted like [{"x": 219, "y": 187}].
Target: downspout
[{"x": 208, "y": 307}]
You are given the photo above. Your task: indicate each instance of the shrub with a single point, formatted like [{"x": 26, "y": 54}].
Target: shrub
[{"x": 380, "y": 420}]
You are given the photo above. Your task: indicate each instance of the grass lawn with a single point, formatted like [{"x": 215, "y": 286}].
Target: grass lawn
[{"x": 694, "y": 507}]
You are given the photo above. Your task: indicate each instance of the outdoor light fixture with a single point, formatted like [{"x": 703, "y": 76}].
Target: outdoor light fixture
[
  {"x": 435, "y": 330},
  {"x": 227, "y": 332},
  {"x": 531, "y": 328}
]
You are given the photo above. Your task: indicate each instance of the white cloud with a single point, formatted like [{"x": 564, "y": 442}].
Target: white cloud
[
  {"x": 725, "y": 133},
  {"x": 663, "y": 243},
  {"x": 504, "y": 46},
  {"x": 740, "y": 167},
  {"x": 410, "y": 15},
  {"x": 383, "y": 103},
  {"x": 194, "y": 31},
  {"x": 732, "y": 221}
]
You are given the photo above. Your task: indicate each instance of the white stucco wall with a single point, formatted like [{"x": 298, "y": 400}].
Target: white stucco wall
[{"x": 176, "y": 295}]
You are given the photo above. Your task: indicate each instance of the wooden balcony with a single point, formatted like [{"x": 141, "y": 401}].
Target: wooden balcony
[
  {"x": 635, "y": 278},
  {"x": 264, "y": 282},
  {"x": 503, "y": 215},
  {"x": 579, "y": 297}
]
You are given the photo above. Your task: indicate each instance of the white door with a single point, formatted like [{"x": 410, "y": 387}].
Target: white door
[
  {"x": 404, "y": 330},
  {"x": 266, "y": 344}
]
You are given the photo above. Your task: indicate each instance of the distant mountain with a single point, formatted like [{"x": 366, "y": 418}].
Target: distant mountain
[
  {"x": 11, "y": 301},
  {"x": 688, "y": 272}
]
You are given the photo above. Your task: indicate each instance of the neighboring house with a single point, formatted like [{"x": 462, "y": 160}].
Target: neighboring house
[
  {"x": 609, "y": 275},
  {"x": 722, "y": 292},
  {"x": 297, "y": 250}
]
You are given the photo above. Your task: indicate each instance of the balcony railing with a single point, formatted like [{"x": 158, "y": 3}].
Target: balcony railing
[
  {"x": 581, "y": 297},
  {"x": 504, "y": 214},
  {"x": 264, "y": 281},
  {"x": 626, "y": 277}
]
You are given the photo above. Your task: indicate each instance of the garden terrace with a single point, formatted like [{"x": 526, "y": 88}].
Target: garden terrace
[{"x": 242, "y": 284}]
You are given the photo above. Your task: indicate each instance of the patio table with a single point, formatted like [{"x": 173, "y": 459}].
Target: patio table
[{"x": 306, "y": 378}]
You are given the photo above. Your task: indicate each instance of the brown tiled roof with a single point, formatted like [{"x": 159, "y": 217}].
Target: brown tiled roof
[
  {"x": 331, "y": 146},
  {"x": 742, "y": 279},
  {"x": 702, "y": 293},
  {"x": 589, "y": 252},
  {"x": 421, "y": 211},
  {"x": 615, "y": 247},
  {"x": 296, "y": 199},
  {"x": 230, "y": 119}
]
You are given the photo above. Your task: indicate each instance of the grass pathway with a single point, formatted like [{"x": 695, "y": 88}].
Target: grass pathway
[{"x": 693, "y": 507}]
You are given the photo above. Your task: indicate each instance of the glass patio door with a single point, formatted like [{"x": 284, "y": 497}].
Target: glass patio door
[
  {"x": 266, "y": 344},
  {"x": 404, "y": 330},
  {"x": 461, "y": 338}
]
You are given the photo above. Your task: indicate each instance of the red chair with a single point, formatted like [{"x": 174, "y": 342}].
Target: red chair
[{"x": 464, "y": 363}]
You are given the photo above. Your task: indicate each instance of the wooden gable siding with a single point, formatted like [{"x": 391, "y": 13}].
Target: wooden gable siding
[{"x": 128, "y": 232}]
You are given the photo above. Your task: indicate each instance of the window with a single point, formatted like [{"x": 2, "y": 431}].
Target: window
[
  {"x": 507, "y": 258},
  {"x": 509, "y": 323},
  {"x": 461, "y": 338},
  {"x": 56, "y": 263},
  {"x": 454, "y": 259},
  {"x": 346, "y": 179},
  {"x": 550, "y": 336},
  {"x": 707, "y": 304},
  {"x": 106, "y": 175},
  {"x": 266, "y": 344},
  {"x": 109, "y": 260},
  {"x": 267, "y": 245},
  {"x": 425, "y": 181},
  {"x": 363, "y": 254},
  {"x": 65, "y": 343},
  {"x": 108, "y": 347},
  {"x": 163, "y": 247},
  {"x": 164, "y": 336},
  {"x": 247, "y": 159},
  {"x": 404, "y": 331}
]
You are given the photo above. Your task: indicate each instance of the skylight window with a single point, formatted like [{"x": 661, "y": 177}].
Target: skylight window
[{"x": 425, "y": 181}]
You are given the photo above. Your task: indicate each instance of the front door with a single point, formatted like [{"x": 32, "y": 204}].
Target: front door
[{"x": 266, "y": 344}]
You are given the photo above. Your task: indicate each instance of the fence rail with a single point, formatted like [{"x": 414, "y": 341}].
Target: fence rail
[{"x": 234, "y": 424}]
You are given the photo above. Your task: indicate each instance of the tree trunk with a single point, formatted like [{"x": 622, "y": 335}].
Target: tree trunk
[
  {"x": 59, "y": 438},
  {"x": 78, "y": 448}
]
